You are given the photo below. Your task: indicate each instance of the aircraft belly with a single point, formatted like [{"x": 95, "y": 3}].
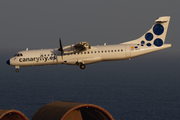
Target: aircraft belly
[
  {"x": 84, "y": 59},
  {"x": 115, "y": 56},
  {"x": 90, "y": 60},
  {"x": 35, "y": 63}
]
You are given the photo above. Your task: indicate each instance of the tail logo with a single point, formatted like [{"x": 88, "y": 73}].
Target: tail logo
[
  {"x": 158, "y": 29},
  {"x": 158, "y": 42},
  {"x": 149, "y": 36}
]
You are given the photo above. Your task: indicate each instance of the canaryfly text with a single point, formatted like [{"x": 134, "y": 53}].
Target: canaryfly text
[{"x": 37, "y": 59}]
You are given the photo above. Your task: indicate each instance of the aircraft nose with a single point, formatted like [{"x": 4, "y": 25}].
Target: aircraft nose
[{"x": 8, "y": 62}]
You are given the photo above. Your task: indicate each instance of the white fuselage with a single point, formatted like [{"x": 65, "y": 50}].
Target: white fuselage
[{"x": 93, "y": 55}]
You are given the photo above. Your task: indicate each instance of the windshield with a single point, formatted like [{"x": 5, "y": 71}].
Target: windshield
[{"x": 18, "y": 54}]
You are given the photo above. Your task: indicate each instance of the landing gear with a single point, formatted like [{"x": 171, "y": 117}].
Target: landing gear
[
  {"x": 17, "y": 70},
  {"x": 82, "y": 66}
]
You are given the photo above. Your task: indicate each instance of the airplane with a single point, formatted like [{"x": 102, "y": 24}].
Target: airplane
[{"x": 82, "y": 53}]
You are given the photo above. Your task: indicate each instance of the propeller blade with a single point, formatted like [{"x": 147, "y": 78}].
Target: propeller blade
[{"x": 61, "y": 48}]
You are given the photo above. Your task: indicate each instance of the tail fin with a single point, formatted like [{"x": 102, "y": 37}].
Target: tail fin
[{"x": 155, "y": 36}]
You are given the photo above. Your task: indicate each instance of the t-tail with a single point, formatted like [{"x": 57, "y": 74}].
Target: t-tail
[{"x": 153, "y": 40}]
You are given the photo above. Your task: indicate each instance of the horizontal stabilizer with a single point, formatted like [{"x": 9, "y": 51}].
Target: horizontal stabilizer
[{"x": 162, "y": 19}]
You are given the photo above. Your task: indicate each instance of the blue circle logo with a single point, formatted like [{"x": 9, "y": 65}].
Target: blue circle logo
[
  {"x": 158, "y": 29},
  {"x": 148, "y": 44},
  {"x": 149, "y": 36},
  {"x": 158, "y": 42},
  {"x": 142, "y": 43}
]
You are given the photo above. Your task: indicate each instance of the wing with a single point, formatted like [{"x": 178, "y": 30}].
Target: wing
[{"x": 81, "y": 46}]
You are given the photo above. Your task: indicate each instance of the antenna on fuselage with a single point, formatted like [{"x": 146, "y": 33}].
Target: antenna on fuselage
[{"x": 61, "y": 48}]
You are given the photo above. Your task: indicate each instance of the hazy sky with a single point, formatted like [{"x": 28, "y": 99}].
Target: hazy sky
[{"x": 39, "y": 23}]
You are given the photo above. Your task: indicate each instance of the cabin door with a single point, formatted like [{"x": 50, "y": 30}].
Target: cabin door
[{"x": 128, "y": 51}]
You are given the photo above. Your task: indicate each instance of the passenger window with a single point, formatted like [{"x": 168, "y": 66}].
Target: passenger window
[
  {"x": 114, "y": 50},
  {"x": 91, "y": 51},
  {"x": 111, "y": 50}
]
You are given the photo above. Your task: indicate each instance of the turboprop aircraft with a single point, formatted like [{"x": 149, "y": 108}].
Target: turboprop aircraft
[{"x": 82, "y": 53}]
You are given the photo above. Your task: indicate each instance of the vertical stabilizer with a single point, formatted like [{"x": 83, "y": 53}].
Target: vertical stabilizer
[{"x": 155, "y": 36}]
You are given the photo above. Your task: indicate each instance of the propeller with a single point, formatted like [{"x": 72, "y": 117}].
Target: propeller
[{"x": 61, "y": 48}]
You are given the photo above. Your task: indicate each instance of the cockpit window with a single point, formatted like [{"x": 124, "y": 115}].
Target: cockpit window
[{"x": 18, "y": 55}]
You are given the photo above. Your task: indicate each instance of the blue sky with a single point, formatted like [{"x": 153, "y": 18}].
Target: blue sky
[{"x": 39, "y": 24}]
